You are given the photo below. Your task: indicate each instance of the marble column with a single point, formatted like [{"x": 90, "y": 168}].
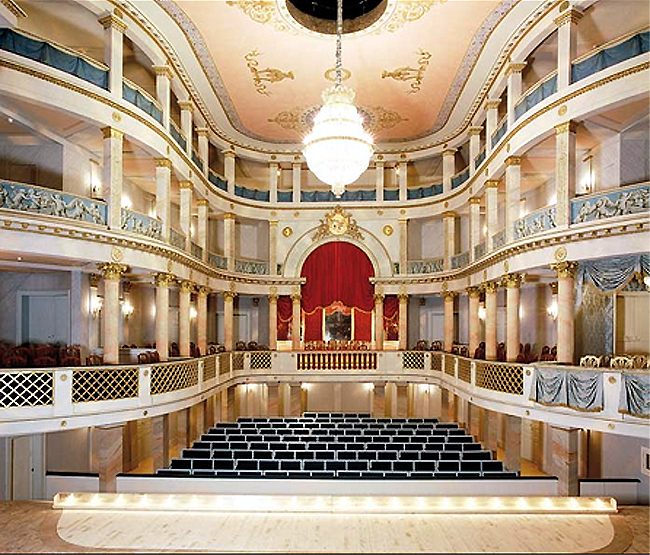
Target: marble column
[
  {"x": 492, "y": 439},
  {"x": 491, "y": 211},
  {"x": 475, "y": 230},
  {"x": 160, "y": 441},
  {"x": 513, "y": 195},
  {"x": 565, "y": 171},
  {"x": 229, "y": 319},
  {"x": 223, "y": 405},
  {"x": 182, "y": 428},
  {"x": 114, "y": 29},
  {"x": 448, "y": 297},
  {"x": 186, "y": 289},
  {"x": 448, "y": 168},
  {"x": 203, "y": 209},
  {"x": 474, "y": 146},
  {"x": 444, "y": 404},
  {"x": 490, "y": 320},
  {"x": 186, "y": 123},
  {"x": 565, "y": 311},
  {"x": 566, "y": 45},
  {"x": 379, "y": 179},
  {"x": 112, "y": 272},
  {"x": 449, "y": 237},
  {"x": 164, "y": 77},
  {"x": 202, "y": 134},
  {"x": 492, "y": 119},
  {"x": 296, "y": 180},
  {"x": 474, "y": 295},
  {"x": 107, "y": 455},
  {"x": 113, "y": 166},
  {"x": 379, "y": 401},
  {"x": 163, "y": 194},
  {"x": 379, "y": 321},
  {"x": 274, "y": 171},
  {"x": 513, "y": 443},
  {"x": 512, "y": 283},
  {"x": 513, "y": 74},
  {"x": 229, "y": 240},
  {"x": 390, "y": 402},
  {"x": 273, "y": 321},
  {"x": 482, "y": 424},
  {"x": 402, "y": 179},
  {"x": 162, "y": 281},
  {"x": 229, "y": 169},
  {"x": 186, "y": 188},
  {"x": 273, "y": 247},
  {"x": 202, "y": 319},
  {"x": 403, "y": 320},
  {"x": 284, "y": 399},
  {"x": 403, "y": 246},
  {"x": 565, "y": 459},
  {"x": 296, "y": 321}
]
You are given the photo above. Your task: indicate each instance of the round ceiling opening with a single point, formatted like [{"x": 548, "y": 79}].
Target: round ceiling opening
[{"x": 320, "y": 15}]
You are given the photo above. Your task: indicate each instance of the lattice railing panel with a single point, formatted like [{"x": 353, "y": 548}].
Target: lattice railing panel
[
  {"x": 449, "y": 365},
  {"x": 261, "y": 360},
  {"x": 465, "y": 370},
  {"x": 338, "y": 360},
  {"x": 506, "y": 378},
  {"x": 237, "y": 361},
  {"x": 436, "y": 362},
  {"x": 224, "y": 363},
  {"x": 209, "y": 368},
  {"x": 175, "y": 376},
  {"x": 413, "y": 360},
  {"x": 26, "y": 389},
  {"x": 104, "y": 385}
]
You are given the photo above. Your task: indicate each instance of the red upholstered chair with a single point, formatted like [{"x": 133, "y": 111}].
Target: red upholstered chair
[
  {"x": 94, "y": 360},
  {"x": 143, "y": 358},
  {"x": 15, "y": 361},
  {"x": 44, "y": 362}
]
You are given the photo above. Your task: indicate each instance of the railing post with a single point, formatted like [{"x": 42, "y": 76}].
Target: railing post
[
  {"x": 144, "y": 386},
  {"x": 201, "y": 367},
  {"x": 456, "y": 367},
  {"x": 529, "y": 380},
  {"x": 247, "y": 363},
  {"x": 472, "y": 373},
  {"x": 62, "y": 392},
  {"x": 612, "y": 384}
]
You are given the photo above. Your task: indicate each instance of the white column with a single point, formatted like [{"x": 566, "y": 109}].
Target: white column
[
  {"x": 229, "y": 170},
  {"x": 273, "y": 247},
  {"x": 114, "y": 29},
  {"x": 203, "y": 208},
  {"x": 513, "y": 194},
  {"x": 565, "y": 311},
  {"x": 163, "y": 91},
  {"x": 491, "y": 210},
  {"x": 513, "y": 71},
  {"x": 379, "y": 179},
  {"x": 202, "y": 319},
  {"x": 474, "y": 295},
  {"x": 492, "y": 107},
  {"x": 273, "y": 182},
  {"x": 448, "y": 297},
  {"x": 186, "y": 188},
  {"x": 512, "y": 282},
  {"x": 202, "y": 134},
  {"x": 229, "y": 240},
  {"x": 273, "y": 321},
  {"x": 186, "y": 123},
  {"x": 296, "y": 173},
  {"x": 403, "y": 320},
  {"x": 474, "y": 225},
  {"x": 163, "y": 194},
  {"x": 448, "y": 168},
  {"x": 296, "y": 321},
  {"x": 566, "y": 45},
  {"x": 403, "y": 180},
  {"x": 449, "y": 237},
  {"x": 474, "y": 146},
  {"x": 111, "y": 310},
  {"x": 379, "y": 322},
  {"x": 228, "y": 319},
  {"x": 403, "y": 246},
  {"x": 565, "y": 171},
  {"x": 162, "y": 280},
  {"x": 490, "y": 320},
  {"x": 112, "y": 175},
  {"x": 187, "y": 287}
]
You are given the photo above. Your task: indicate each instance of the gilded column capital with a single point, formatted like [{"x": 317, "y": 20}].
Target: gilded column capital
[
  {"x": 449, "y": 214},
  {"x": 490, "y": 286},
  {"x": 93, "y": 280},
  {"x": 273, "y": 223},
  {"x": 111, "y": 133},
  {"x": 111, "y": 21},
  {"x": 203, "y": 291},
  {"x": 185, "y": 104},
  {"x": 296, "y": 297},
  {"x": 448, "y": 295},
  {"x": 202, "y": 131},
  {"x": 229, "y": 295},
  {"x": 515, "y": 67},
  {"x": 379, "y": 298},
  {"x": 203, "y": 202},
  {"x": 513, "y": 281},
  {"x": 566, "y": 127},
  {"x": 273, "y": 298},
  {"x": 229, "y": 153},
  {"x": 187, "y": 286},
  {"x": 112, "y": 270},
  {"x": 473, "y": 292},
  {"x": 513, "y": 161},
  {"x": 475, "y": 200},
  {"x": 403, "y": 297},
  {"x": 163, "y": 163},
  {"x": 571, "y": 16},
  {"x": 492, "y": 184},
  {"x": 186, "y": 184},
  {"x": 492, "y": 104},
  {"x": 566, "y": 269},
  {"x": 163, "y": 279},
  {"x": 553, "y": 286},
  {"x": 228, "y": 216},
  {"x": 163, "y": 71},
  {"x": 474, "y": 130}
]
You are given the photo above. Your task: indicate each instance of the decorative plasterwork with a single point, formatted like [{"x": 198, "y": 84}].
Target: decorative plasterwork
[
  {"x": 408, "y": 73},
  {"x": 266, "y": 75},
  {"x": 338, "y": 222}
]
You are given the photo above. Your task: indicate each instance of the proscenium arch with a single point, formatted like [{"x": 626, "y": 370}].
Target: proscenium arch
[{"x": 304, "y": 246}]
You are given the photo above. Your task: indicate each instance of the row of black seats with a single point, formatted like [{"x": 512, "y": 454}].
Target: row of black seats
[
  {"x": 336, "y": 446},
  {"x": 351, "y": 465}
]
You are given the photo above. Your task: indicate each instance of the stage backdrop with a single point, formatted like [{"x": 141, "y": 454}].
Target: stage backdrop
[{"x": 338, "y": 271}]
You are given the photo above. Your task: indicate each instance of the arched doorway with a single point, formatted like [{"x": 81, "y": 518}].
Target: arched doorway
[{"x": 338, "y": 298}]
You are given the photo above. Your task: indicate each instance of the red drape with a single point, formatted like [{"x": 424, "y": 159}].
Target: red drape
[
  {"x": 362, "y": 325},
  {"x": 337, "y": 271},
  {"x": 314, "y": 325},
  {"x": 285, "y": 311},
  {"x": 391, "y": 317}
]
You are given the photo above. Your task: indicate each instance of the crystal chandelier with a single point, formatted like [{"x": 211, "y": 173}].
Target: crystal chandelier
[{"x": 338, "y": 149}]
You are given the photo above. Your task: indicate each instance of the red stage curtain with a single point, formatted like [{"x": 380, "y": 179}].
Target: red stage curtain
[
  {"x": 391, "y": 317},
  {"x": 314, "y": 325},
  {"x": 362, "y": 325},
  {"x": 336, "y": 271},
  {"x": 285, "y": 312}
]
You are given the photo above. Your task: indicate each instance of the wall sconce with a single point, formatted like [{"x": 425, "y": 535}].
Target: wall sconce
[
  {"x": 96, "y": 304},
  {"x": 127, "y": 309},
  {"x": 552, "y": 309},
  {"x": 192, "y": 313}
]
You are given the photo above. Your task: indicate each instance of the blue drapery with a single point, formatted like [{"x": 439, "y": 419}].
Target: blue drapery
[
  {"x": 134, "y": 96},
  {"x": 253, "y": 194},
  {"x": 420, "y": 192},
  {"x": 635, "y": 395},
  {"x": 217, "y": 181},
  {"x": 391, "y": 194},
  {"x": 285, "y": 196},
  {"x": 634, "y": 46},
  {"x": 176, "y": 135},
  {"x": 460, "y": 178},
  {"x": 580, "y": 390},
  {"x": 41, "y": 51},
  {"x": 328, "y": 196},
  {"x": 546, "y": 89}
]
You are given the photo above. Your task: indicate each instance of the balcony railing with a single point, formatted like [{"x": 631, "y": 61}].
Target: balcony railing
[
  {"x": 499, "y": 239},
  {"x": 196, "y": 250},
  {"x": 54, "y": 55},
  {"x": 177, "y": 135},
  {"x": 197, "y": 160},
  {"x": 347, "y": 196},
  {"x": 39, "y": 200},
  {"x": 633, "y": 199},
  {"x": 135, "y": 95},
  {"x": 253, "y": 194},
  {"x": 500, "y": 131},
  {"x": 285, "y": 196},
  {"x": 480, "y": 250},
  {"x": 460, "y": 178},
  {"x": 427, "y": 266},
  {"x": 460, "y": 260},
  {"x": 255, "y": 267},
  {"x": 217, "y": 181},
  {"x": 421, "y": 192},
  {"x": 479, "y": 159},
  {"x": 536, "y": 222},
  {"x": 538, "y": 92},
  {"x": 337, "y": 360},
  {"x": 218, "y": 261},
  {"x": 177, "y": 239},
  {"x": 142, "y": 225}
]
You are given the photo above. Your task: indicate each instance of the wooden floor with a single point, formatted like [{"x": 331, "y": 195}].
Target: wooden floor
[{"x": 36, "y": 527}]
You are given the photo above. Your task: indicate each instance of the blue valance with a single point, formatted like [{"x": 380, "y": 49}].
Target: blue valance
[
  {"x": 328, "y": 196},
  {"x": 460, "y": 178},
  {"x": 635, "y": 395},
  {"x": 47, "y": 53},
  {"x": 176, "y": 135},
  {"x": 134, "y": 96},
  {"x": 217, "y": 181},
  {"x": 420, "y": 192},
  {"x": 391, "y": 194},
  {"x": 197, "y": 160},
  {"x": 546, "y": 89},
  {"x": 579, "y": 390},
  {"x": 500, "y": 132},
  {"x": 285, "y": 196},
  {"x": 479, "y": 159},
  {"x": 253, "y": 194},
  {"x": 634, "y": 46}
]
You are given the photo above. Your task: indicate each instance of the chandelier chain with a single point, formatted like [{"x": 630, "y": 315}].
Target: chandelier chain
[{"x": 339, "y": 32}]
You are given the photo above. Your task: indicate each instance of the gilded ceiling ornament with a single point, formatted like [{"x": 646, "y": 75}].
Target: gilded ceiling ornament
[
  {"x": 261, "y": 11},
  {"x": 330, "y": 74},
  {"x": 388, "y": 230},
  {"x": 411, "y": 74},
  {"x": 408, "y": 12},
  {"x": 338, "y": 222},
  {"x": 266, "y": 75},
  {"x": 287, "y": 231}
]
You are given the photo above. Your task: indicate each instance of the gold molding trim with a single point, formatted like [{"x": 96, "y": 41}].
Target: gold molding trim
[{"x": 13, "y": 8}]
